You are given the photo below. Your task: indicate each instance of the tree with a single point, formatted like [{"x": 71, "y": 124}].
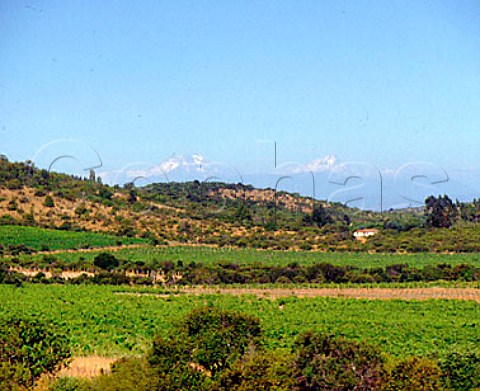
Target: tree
[
  {"x": 440, "y": 212},
  {"x": 106, "y": 261},
  {"x": 132, "y": 196},
  {"x": 49, "y": 203},
  {"x": 105, "y": 193},
  {"x": 320, "y": 216}
]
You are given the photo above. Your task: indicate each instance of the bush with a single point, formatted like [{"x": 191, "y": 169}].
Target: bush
[
  {"x": 413, "y": 374},
  {"x": 106, "y": 261},
  {"x": 283, "y": 280},
  {"x": 461, "y": 371},
  {"x": 81, "y": 210},
  {"x": 257, "y": 372},
  {"x": 8, "y": 220},
  {"x": 218, "y": 338},
  {"x": 49, "y": 203},
  {"x": 13, "y": 376},
  {"x": 68, "y": 384},
  {"x": 326, "y": 362},
  {"x": 106, "y": 278},
  {"x": 26, "y": 344},
  {"x": 11, "y": 277},
  {"x": 205, "y": 344},
  {"x": 127, "y": 374}
]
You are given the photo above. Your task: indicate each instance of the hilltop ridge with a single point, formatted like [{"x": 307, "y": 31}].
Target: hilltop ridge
[{"x": 214, "y": 213}]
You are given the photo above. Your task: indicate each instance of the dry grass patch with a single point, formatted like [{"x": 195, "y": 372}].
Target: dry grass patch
[
  {"x": 355, "y": 293},
  {"x": 87, "y": 367}
]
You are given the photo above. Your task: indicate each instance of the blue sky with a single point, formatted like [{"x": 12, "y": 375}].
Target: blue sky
[{"x": 381, "y": 82}]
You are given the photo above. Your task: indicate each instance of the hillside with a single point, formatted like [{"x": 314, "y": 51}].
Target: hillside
[{"x": 216, "y": 214}]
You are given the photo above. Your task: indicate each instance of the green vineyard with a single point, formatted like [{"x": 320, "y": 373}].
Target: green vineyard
[
  {"x": 212, "y": 255},
  {"x": 45, "y": 239},
  {"x": 120, "y": 321}
]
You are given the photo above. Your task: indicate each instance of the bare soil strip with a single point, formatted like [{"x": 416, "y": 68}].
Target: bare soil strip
[
  {"x": 85, "y": 250},
  {"x": 87, "y": 367},
  {"x": 93, "y": 249},
  {"x": 471, "y": 294},
  {"x": 66, "y": 274}
]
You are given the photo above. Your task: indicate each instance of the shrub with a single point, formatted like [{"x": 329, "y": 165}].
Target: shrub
[
  {"x": 283, "y": 280},
  {"x": 26, "y": 344},
  {"x": 81, "y": 210},
  {"x": 12, "y": 205},
  {"x": 257, "y": 372},
  {"x": 217, "y": 338},
  {"x": 106, "y": 278},
  {"x": 106, "y": 261},
  {"x": 461, "y": 371},
  {"x": 8, "y": 220},
  {"x": 326, "y": 362},
  {"x": 413, "y": 374},
  {"x": 29, "y": 219},
  {"x": 11, "y": 277},
  {"x": 127, "y": 374},
  {"x": 49, "y": 203},
  {"x": 207, "y": 342},
  {"x": 68, "y": 384},
  {"x": 13, "y": 376}
]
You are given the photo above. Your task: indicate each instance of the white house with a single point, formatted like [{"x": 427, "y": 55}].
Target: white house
[{"x": 365, "y": 233}]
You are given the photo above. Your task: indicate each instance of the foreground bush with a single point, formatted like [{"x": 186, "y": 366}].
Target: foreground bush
[
  {"x": 29, "y": 349},
  {"x": 127, "y": 374},
  {"x": 207, "y": 342},
  {"x": 259, "y": 371},
  {"x": 413, "y": 374},
  {"x": 69, "y": 384},
  {"x": 216, "y": 338},
  {"x": 325, "y": 362},
  {"x": 461, "y": 371},
  {"x": 13, "y": 376}
]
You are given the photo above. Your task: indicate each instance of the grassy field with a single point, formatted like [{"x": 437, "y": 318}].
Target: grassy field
[
  {"x": 42, "y": 239},
  {"x": 102, "y": 322},
  {"x": 210, "y": 255}
]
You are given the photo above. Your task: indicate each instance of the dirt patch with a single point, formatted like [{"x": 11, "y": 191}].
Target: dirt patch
[
  {"x": 84, "y": 250},
  {"x": 355, "y": 293},
  {"x": 91, "y": 249},
  {"x": 67, "y": 275},
  {"x": 87, "y": 367},
  {"x": 139, "y": 294}
]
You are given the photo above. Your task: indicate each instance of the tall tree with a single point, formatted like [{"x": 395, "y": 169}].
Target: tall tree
[
  {"x": 320, "y": 216},
  {"x": 440, "y": 211}
]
